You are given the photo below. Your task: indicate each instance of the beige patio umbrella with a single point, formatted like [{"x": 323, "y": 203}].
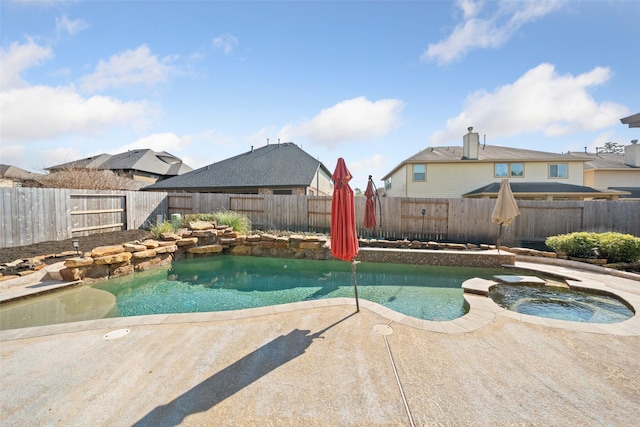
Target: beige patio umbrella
[{"x": 506, "y": 208}]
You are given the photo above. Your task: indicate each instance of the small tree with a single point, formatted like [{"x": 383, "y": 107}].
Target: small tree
[
  {"x": 88, "y": 179},
  {"x": 612, "y": 147}
]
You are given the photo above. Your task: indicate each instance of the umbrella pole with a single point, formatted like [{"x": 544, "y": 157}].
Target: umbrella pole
[
  {"x": 499, "y": 237},
  {"x": 355, "y": 285}
]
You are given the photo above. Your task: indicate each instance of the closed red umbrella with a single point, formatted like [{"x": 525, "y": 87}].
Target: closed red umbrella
[
  {"x": 344, "y": 238},
  {"x": 370, "y": 206}
]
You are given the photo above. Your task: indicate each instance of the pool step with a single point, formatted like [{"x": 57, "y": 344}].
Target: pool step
[{"x": 519, "y": 280}]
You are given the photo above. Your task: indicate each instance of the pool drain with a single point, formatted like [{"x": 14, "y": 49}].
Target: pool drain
[
  {"x": 383, "y": 329},
  {"x": 116, "y": 334}
]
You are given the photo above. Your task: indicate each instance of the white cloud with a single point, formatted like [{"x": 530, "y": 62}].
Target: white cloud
[
  {"x": 166, "y": 141},
  {"x": 17, "y": 58},
  {"x": 539, "y": 101},
  {"x": 376, "y": 166},
  {"x": 11, "y": 154},
  {"x": 486, "y": 32},
  {"x": 226, "y": 42},
  {"x": 62, "y": 155},
  {"x": 131, "y": 67},
  {"x": 41, "y": 112},
  {"x": 353, "y": 119},
  {"x": 66, "y": 26}
]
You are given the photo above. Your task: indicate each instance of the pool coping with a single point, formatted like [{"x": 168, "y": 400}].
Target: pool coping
[{"x": 482, "y": 309}]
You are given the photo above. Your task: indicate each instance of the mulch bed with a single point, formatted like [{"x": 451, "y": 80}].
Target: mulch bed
[{"x": 86, "y": 243}]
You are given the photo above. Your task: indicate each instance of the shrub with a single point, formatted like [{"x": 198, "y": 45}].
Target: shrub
[
  {"x": 240, "y": 222},
  {"x": 161, "y": 227},
  {"x": 615, "y": 247}
]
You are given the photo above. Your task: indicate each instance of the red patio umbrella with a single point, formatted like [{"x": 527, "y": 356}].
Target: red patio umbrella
[
  {"x": 370, "y": 206},
  {"x": 344, "y": 238}
]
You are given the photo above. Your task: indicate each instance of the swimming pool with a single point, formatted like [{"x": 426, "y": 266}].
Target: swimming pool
[{"x": 233, "y": 282}]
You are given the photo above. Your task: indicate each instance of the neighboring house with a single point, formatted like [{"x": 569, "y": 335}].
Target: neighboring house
[
  {"x": 633, "y": 121},
  {"x": 141, "y": 165},
  {"x": 614, "y": 171},
  {"x": 475, "y": 170},
  {"x": 272, "y": 169},
  {"x": 12, "y": 176}
]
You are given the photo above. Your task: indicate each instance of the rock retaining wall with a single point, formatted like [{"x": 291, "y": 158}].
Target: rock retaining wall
[{"x": 205, "y": 239}]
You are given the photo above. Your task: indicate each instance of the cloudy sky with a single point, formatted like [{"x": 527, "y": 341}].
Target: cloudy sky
[{"x": 372, "y": 82}]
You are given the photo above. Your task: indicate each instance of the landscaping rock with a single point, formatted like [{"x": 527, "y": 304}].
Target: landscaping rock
[
  {"x": 148, "y": 253},
  {"x": 202, "y": 225},
  {"x": 103, "y": 251},
  {"x": 205, "y": 249},
  {"x": 133, "y": 247},
  {"x": 152, "y": 244},
  {"x": 78, "y": 262},
  {"x": 113, "y": 259}
]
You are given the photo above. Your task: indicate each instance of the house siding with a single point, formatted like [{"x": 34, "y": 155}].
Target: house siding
[
  {"x": 450, "y": 180},
  {"x": 612, "y": 178}
]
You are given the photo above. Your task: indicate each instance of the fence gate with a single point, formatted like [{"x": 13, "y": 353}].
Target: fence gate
[
  {"x": 97, "y": 213},
  {"x": 424, "y": 220}
]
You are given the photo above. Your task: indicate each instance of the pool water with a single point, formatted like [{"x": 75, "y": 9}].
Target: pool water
[
  {"x": 561, "y": 303},
  {"x": 233, "y": 282}
]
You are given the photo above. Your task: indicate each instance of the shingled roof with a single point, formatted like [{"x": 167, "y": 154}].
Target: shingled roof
[
  {"x": 546, "y": 189},
  {"x": 486, "y": 153},
  {"x": 275, "y": 165},
  {"x": 143, "y": 160}
]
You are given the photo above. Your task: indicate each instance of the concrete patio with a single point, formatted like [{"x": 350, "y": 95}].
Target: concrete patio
[{"x": 317, "y": 364}]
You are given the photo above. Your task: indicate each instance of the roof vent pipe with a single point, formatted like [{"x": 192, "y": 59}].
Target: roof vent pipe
[
  {"x": 252, "y": 148},
  {"x": 585, "y": 150},
  {"x": 267, "y": 141}
]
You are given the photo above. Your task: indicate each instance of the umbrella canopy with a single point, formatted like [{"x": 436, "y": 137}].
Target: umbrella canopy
[
  {"x": 344, "y": 239},
  {"x": 506, "y": 208},
  {"x": 370, "y": 207}
]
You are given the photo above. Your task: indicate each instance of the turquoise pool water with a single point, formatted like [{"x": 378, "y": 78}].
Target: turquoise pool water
[
  {"x": 561, "y": 303},
  {"x": 224, "y": 283},
  {"x": 231, "y": 283}
]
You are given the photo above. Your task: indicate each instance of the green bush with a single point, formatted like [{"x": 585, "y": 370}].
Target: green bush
[
  {"x": 617, "y": 247},
  {"x": 240, "y": 222},
  {"x": 614, "y": 247},
  {"x": 161, "y": 227}
]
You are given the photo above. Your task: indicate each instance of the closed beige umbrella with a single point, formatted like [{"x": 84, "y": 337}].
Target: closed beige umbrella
[{"x": 506, "y": 208}]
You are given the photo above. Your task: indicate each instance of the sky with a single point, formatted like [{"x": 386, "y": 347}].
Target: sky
[{"x": 371, "y": 82}]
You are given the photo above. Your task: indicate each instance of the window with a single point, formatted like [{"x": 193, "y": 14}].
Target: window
[
  {"x": 387, "y": 184},
  {"x": 558, "y": 170},
  {"x": 509, "y": 169},
  {"x": 419, "y": 172}
]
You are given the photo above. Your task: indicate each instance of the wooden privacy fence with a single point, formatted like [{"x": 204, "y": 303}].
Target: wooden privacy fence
[{"x": 31, "y": 215}]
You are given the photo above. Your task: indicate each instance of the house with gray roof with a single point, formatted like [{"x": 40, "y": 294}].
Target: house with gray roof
[
  {"x": 614, "y": 171},
  {"x": 475, "y": 170},
  {"x": 272, "y": 169},
  {"x": 13, "y": 176},
  {"x": 141, "y": 165}
]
